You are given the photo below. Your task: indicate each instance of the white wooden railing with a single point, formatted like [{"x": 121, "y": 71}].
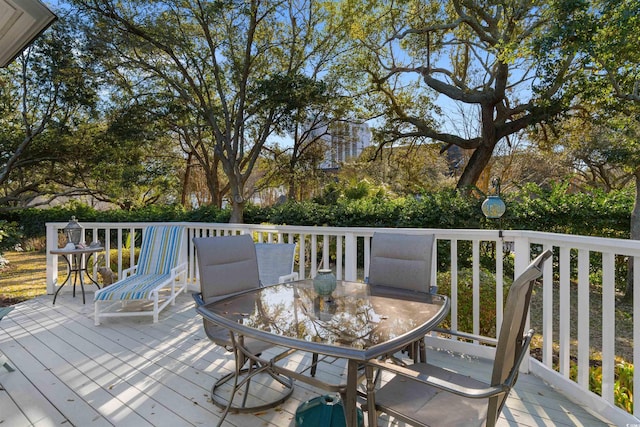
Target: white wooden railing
[{"x": 572, "y": 266}]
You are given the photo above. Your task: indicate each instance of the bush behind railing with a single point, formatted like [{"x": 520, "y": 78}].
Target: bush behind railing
[{"x": 554, "y": 209}]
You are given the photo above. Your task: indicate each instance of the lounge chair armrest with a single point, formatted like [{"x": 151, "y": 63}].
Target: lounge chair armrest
[
  {"x": 129, "y": 271},
  {"x": 288, "y": 277},
  {"x": 179, "y": 269},
  {"x": 407, "y": 372}
]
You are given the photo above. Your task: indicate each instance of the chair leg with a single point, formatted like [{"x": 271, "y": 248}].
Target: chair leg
[
  {"x": 314, "y": 364},
  {"x": 422, "y": 351},
  {"x": 96, "y": 314},
  {"x": 371, "y": 381},
  {"x": 155, "y": 307}
]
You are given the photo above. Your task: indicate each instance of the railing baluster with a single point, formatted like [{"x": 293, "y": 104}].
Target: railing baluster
[
  {"x": 326, "y": 257},
  {"x": 476, "y": 286},
  {"x": 583, "y": 318},
  {"x": 454, "y": 285},
  {"x": 499, "y": 285},
  {"x": 351, "y": 256},
  {"x": 547, "y": 314},
  {"x": 564, "y": 311},
  {"x": 339, "y": 257},
  {"x": 302, "y": 259},
  {"x": 314, "y": 254},
  {"x": 608, "y": 325}
]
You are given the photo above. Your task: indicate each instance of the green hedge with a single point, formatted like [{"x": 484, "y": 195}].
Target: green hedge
[{"x": 554, "y": 209}]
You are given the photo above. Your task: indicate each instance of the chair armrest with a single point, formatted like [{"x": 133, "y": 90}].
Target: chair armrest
[
  {"x": 407, "y": 372},
  {"x": 480, "y": 338},
  {"x": 129, "y": 271},
  {"x": 197, "y": 297},
  {"x": 451, "y": 387},
  {"x": 288, "y": 278},
  {"x": 178, "y": 269}
]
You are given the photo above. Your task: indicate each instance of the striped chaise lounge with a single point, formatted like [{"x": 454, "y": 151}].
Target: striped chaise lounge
[{"x": 154, "y": 282}]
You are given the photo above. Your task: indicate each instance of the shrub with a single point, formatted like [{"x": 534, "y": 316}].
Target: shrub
[
  {"x": 465, "y": 300},
  {"x": 10, "y": 235},
  {"x": 623, "y": 385}
]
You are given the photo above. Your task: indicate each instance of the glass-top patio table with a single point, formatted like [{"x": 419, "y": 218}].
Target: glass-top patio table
[{"x": 357, "y": 322}]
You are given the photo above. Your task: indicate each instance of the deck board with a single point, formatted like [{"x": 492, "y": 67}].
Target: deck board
[{"x": 133, "y": 372}]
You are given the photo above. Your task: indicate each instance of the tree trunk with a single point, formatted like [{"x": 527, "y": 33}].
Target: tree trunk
[
  {"x": 237, "y": 212},
  {"x": 477, "y": 163},
  {"x": 213, "y": 184},
  {"x": 291, "y": 193},
  {"x": 236, "y": 190},
  {"x": 186, "y": 181},
  {"x": 635, "y": 235}
]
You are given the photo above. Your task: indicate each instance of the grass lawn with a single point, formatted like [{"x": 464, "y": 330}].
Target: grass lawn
[{"x": 24, "y": 277}]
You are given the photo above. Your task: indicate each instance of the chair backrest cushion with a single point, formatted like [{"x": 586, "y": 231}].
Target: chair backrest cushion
[
  {"x": 160, "y": 249},
  {"x": 274, "y": 260},
  {"x": 401, "y": 260},
  {"x": 512, "y": 329},
  {"x": 226, "y": 264}
]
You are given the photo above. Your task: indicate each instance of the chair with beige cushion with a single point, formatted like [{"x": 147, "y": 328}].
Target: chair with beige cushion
[
  {"x": 403, "y": 261},
  {"x": 275, "y": 262},
  {"x": 424, "y": 395},
  {"x": 228, "y": 265}
]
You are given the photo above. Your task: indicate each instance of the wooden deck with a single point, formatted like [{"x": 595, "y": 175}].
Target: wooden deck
[{"x": 131, "y": 372}]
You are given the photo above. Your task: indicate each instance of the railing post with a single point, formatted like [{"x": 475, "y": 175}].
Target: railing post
[
  {"x": 350, "y": 257},
  {"x": 52, "y": 260},
  {"x": 521, "y": 261}
]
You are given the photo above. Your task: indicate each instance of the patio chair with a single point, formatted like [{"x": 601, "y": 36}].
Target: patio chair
[
  {"x": 403, "y": 261},
  {"x": 3, "y": 359},
  {"x": 275, "y": 262},
  {"x": 423, "y": 394},
  {"x": 153, "y": 283},
  {"x": 228, "y": 265}
]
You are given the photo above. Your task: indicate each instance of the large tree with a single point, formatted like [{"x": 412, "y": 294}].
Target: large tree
[
  {"x": 425, "y": 60},
  {"x": 612, "y": 61},
  {"x": 317, "y": 109},
  {"x": 604, "y": 33},
  {"x": 223, "y": 60},
  {"x": 46, "y": 95},
  {"x": 130, "y": 160}
]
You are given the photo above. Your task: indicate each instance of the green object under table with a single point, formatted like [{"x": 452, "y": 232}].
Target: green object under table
[{"x": 324, "y": 411}]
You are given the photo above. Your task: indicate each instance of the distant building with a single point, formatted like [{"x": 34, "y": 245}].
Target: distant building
[{"x": 345, "y": 141}]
